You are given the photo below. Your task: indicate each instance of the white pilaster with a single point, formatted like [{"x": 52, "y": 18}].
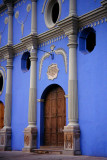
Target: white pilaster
[
  {"x": 8, "y": 98},
  {"x": 30, "y": 133},
  {"x": 72, "y": 8},
  {"x": 34, "y": 18},
  {"x": 32, "y": 92},
  {"x": 72, "y": 82}
]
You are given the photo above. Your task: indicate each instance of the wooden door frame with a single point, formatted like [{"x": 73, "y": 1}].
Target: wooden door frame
[{"x": 47, "y": 89}]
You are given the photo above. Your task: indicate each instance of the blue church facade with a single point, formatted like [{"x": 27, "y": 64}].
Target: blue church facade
[{"x": 53, "y": 55}]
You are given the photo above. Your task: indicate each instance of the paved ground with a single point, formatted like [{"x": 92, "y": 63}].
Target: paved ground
[{"x": 18, "y": 155}]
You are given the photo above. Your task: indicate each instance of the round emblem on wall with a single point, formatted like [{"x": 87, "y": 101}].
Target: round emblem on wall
[{"x": 52, "y": 72}]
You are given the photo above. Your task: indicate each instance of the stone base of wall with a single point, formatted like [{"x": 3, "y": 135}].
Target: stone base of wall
[
  {"x": 5, "y": 139},
  {"x": 30, "y": 138},
  {"x": 72, "y": 140}
]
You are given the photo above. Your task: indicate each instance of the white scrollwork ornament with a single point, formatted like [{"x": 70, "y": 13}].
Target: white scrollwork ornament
[
  {"x": 17, "y": 14},
  {"x": 5, "y": 22},
  {"x": 58, "y": 51},
  {"x": 23, "y": 22},
  {"x": 28, "y": 7}
]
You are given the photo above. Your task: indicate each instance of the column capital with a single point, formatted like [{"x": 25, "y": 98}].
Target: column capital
[
  {"x": 10, "y": 9},
  {"x": 72, "y": 41},
  {"x": 33, "y": 54},
  {"x": 9, "y": 63}
]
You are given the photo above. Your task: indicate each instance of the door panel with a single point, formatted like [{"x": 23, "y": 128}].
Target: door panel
[{"x": 54, "y": 117}]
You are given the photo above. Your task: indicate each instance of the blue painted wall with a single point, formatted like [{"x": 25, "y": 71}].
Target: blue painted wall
[
  {"x": 43, "y": 83},
  {"x": 92, "y": 91},
  {"x": 92, "y": 79},
  {"x": 84, "y": 6},
  {"x": 22, "y": 8},
  {"x": 20, "y": 101}
]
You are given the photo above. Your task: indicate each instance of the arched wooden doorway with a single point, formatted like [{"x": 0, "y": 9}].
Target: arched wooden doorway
[
  {"x": 54, "y": 116},
  {"x": 1, "y": 115}
]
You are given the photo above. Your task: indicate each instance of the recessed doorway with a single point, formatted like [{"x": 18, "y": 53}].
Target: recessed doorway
[{"x": 54, "y": 117}]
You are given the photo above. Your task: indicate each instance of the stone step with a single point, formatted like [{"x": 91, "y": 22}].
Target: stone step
[{"x": 48, "y": 151}]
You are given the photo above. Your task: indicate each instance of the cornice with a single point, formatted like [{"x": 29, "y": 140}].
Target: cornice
[
  {"x": 50, "y": 34},
  {"x": 69, "y": 25},
  {"x": 92, "y": 16},
  {"x": 29, "y": 41},
  {"x": 19, "y": 48},
  {"x": 104, "y": 3},
  {"x": 8, "y": 50},
  {"x": 3, "y": 7}
]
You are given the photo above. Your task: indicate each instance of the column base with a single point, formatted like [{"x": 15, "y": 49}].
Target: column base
[
  {"x": 72, "y": 140},
  {"x": 30, "y": 138},
  {"x": 5, "y": 139}
]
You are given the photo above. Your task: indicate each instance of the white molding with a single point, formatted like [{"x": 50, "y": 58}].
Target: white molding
[
  {"x": 62, "y": 52},
  {"x": 3, "y": 75},
  {"x": 87, "y": 19},
  {"x": 92, "y": 16},
  {"x": 48, "y": 13},
  {"x": 46, "y": 55},
  {"x": 50, "y": 34}
]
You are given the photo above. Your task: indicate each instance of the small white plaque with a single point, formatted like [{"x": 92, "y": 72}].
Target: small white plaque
[{"x": 52, "y": 72}]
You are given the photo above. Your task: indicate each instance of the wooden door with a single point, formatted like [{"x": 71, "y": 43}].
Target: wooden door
[
  {"x": 54, "y": 117},
  {"x": 1, "y": 115}
]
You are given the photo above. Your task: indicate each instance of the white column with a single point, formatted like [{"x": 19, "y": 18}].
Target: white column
[
  {"x": 10, "y": 24},
  {"x": 8, "y": 98},
  {"x": 72, "y": 8},
  {"x": 34, "y": 18},
  {"x": 72, "y": 83},
  {"x": 32, "y": 91}
]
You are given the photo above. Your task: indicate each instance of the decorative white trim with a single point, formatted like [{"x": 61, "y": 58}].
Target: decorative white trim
[
  {"x": 44, "y": 4},
  {"x": 48, "y": 9},
  {"x": 3, "y": 80},
  {"x": 94, "y": 24},
  {"x": 63, "y": 53},
  {"x": 59, "y": 51},
  {"x": 40, "y": 100},
  {"x": 66, "y": 96},
  {"x": 52, "y": 72},
  {"x": 46, "y": 55},
  {"x": 1, "y": 67},
  {"x": 23, "y": 22},
  {"x": 5, "y": 22},
  {"x": 93, "y": 16}
]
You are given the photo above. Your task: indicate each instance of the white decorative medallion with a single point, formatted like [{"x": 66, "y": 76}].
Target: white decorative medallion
[{"x": 52, "y": 72}]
